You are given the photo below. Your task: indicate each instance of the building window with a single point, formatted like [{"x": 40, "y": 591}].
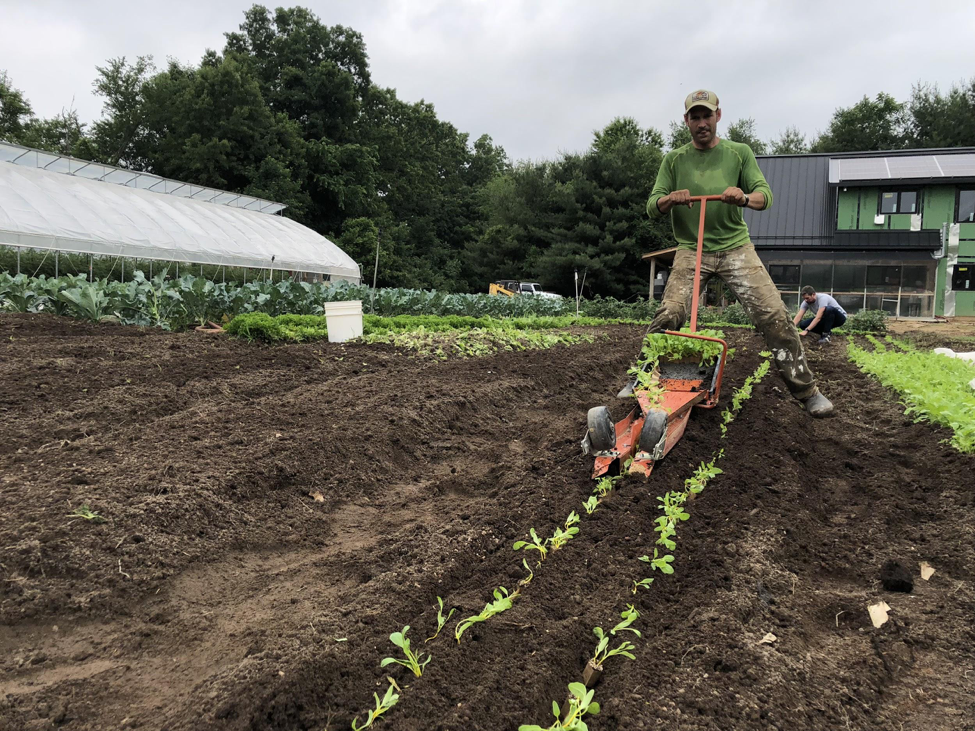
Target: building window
[
  {"x": 963, "y": 278},
  {"x": 818, "y": 276},
  {"x": 898, "y": 201},
  {"x": 849, "y": 278},
  {"x": 916, "y": 278},
  {"x": 966, "y": 206},
  {"x": 883, "y": 278},
  {"x": 785, "y": 276}
]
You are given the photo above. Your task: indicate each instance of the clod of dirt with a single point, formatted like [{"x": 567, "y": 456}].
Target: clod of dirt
[{"x": 894, "y": 576}]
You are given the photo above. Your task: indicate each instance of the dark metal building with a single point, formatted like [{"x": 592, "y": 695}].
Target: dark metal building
[{"x": 878, "y": 230}]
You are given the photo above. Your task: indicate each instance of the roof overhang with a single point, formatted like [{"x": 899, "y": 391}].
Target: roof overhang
[{"x": 662, "y": 256}]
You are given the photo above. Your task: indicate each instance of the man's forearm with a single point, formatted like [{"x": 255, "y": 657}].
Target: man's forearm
[{"x": 756, "y": 201}]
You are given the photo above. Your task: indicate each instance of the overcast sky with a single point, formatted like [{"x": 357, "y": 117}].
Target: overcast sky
[{"x": 540, "y": 75}]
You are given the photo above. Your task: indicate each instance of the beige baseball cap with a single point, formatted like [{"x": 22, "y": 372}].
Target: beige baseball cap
[{"x": 701, "y": 98}]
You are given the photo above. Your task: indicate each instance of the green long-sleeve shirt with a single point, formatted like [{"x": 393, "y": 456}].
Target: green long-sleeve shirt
[{"x": 709, "y": 172}]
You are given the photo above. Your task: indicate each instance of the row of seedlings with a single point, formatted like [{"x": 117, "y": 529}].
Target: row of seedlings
[{"x": 580, "y": 701}]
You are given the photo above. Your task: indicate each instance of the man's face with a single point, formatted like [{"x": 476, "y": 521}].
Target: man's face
[
  {"x": 809, "y": 298},
  {"x": 703, "y": 124}
]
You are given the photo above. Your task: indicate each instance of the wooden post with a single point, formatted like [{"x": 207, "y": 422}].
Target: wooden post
[{"x": 653, "y": 276}]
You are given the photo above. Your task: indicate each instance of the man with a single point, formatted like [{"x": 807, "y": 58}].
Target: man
[
  {"x": 708, "y": 165},
  {"x": 829, "y": 314}
]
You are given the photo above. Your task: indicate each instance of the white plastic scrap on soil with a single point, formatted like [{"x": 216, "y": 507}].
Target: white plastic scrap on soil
[
  {"x": 878, "y": 613},
  {"x": 967, "y": 357},
  {"x": 927, "y": 570}
]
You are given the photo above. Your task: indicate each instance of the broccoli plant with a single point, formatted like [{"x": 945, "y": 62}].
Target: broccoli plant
[
  {"x": 531, "y": 574},
  {"x": 569, "y": 718},
  {"x": 412, "y": 661},
  {"x": 590, "y": 504},
  {"x": 441, "y": 620},
  {"x": 382, "y": 705},
  {"x": 535, "y": 544},
  {"x": 502, "y": 602},
  {"x": 603, "y": 651}
]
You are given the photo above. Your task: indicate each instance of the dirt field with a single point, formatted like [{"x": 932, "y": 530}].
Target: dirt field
[{"x": 219, "y": 594}]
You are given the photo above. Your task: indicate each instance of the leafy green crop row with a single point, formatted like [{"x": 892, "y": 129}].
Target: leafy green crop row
[
  {"x": 438, "y": 336},
  {"x": 178, "y": 303},
  {"x": 298, "y": 328},
  {"x": 934, "y": 387}
]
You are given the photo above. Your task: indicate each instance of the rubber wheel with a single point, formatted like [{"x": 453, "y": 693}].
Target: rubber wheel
[
  {"x": 654, "y": 427},
  {"x": 602, "y": 431}
]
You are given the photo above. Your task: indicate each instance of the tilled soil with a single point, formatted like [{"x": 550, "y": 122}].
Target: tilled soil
[{"x": 272, "y": 514}]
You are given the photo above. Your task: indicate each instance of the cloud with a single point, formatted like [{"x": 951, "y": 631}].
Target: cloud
[{"x": 540, "y": 76}]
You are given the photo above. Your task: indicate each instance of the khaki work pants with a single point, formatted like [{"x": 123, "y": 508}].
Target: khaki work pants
[{"x": 743, "y": 272}]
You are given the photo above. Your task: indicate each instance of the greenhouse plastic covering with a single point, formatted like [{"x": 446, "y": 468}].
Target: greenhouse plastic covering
[{"x": 41, "y": 209}]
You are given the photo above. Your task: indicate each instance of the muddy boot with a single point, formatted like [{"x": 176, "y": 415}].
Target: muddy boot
[{"x": 818, "y": 405}]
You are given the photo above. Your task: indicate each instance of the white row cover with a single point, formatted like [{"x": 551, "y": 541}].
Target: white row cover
[{"x": 47, "y": 210}]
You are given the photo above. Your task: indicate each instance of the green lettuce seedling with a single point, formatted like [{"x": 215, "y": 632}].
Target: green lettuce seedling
[
  {"x": 412, "y": 661},
  {"x": 603, "y": 651},
  {"x": 382, "y": 705},
  {"x": 562, "y": 536},
  {"x": 604, "y": 485},
  {"x": 502, "y": 602},
  {"x": 590, "y": 504},
  {"x": 641, "y": 584},
  {"x": 580, "y": 704},
  {"x": 535, "y": 544},
  {"x": 441, "y": 620},
  {"x": 660, "y": 563},
  {"x": 629, "y": 616}
]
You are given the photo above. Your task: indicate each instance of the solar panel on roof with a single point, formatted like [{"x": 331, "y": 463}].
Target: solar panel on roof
[
  {"x": 901, "y": 167},
  {"x": 913, "y": 167},
  {"x": 957, "y": 165},
  {"x": 863, "y": 168}
]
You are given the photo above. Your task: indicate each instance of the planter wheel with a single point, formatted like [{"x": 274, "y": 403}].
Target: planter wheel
[{"x": 602, "y": 431}]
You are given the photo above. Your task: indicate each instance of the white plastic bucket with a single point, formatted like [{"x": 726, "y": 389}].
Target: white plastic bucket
[{"x": 344, "y": 320}]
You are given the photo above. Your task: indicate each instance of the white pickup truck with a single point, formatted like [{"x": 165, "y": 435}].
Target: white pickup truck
[{"x": 534, "y": 288}]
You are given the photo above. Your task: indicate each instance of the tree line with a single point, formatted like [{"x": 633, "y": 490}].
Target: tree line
[{"x": 288, "y": 111}]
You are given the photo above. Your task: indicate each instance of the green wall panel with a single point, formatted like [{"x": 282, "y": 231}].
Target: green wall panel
[
  {"x": 868, "y": 209},
  {"x": 899, "y": 222},
  {"x": 846, "y": 214},
  {"x": 939, "y": 206},
  {"x": 966, "y": 248},
  {"x": 964, "y": 304}
]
